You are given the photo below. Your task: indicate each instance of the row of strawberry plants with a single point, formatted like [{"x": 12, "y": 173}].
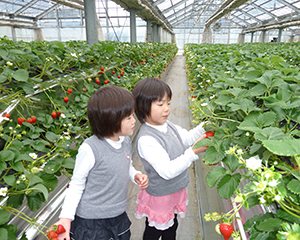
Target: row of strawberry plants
[
  {"x": 45, "y": 87},
  {"x": 251, "y": 95}
]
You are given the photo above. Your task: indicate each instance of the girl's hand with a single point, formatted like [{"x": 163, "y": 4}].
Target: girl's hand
[
  {"x": 142, "y": 180},
  {"x": 200, "y": 149},
  {"x": 67, "y": 225}
]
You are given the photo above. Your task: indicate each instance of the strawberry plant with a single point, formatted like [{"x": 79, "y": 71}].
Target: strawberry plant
[{"x": 251, "y": 95}]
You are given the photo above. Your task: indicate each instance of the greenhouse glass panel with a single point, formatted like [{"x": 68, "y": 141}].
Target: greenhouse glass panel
[
  {"x": 282, "y": 11},
  {"x": 297, "y": 5}
]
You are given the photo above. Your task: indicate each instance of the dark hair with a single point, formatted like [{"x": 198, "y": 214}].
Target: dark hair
[
  {"x": 107, "y": 108},
  {"x": 147, "y": 91}
]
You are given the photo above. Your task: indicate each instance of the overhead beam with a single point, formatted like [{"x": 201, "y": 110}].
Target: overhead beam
[
  {"x": 225, "y": 9},
  {"x": 278, "y": 25},
  {"x": 77, "y": 4},
  {"x": 289, "y": 5}
]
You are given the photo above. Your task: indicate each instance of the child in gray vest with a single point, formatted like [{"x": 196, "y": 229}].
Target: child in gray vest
[
  {"x": 161, "y": 146},
  {"x": 96, "y": 201}
]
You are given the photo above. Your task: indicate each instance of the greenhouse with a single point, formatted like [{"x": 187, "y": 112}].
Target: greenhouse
[{"x": 233, "y": 70}]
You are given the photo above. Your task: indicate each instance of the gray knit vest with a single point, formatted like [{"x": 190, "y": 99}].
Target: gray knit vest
[
  {"x": 105, "y": 193},
  {"x": 172, "y": 143}
]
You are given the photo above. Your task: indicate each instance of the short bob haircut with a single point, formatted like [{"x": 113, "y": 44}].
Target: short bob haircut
[
  {"x": 147, "y": 91},
  {"x": 106, "y": 109}
]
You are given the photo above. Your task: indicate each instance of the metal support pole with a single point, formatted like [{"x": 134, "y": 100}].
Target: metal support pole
[
  {"x": 155, "y": 33},
  {"x": 107, "y": 23},
  {"x": 263, "y": 35},
  {"x": 91, "y": 22},
  {"x": 132, "y": 26},
  {"x": 57, "y": 25},
  {"x": 252, "y": 35},
  {"x": 149, "y": 31},
  {"x": 279, "y": 35}
]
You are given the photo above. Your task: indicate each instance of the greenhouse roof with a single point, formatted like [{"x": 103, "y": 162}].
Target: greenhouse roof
[{"x": 172, "y": 14}]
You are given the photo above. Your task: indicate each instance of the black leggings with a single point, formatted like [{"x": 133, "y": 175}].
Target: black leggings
[{"x": 151, "y": 233}]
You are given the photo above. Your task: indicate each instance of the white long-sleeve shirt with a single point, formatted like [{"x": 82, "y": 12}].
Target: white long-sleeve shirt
[
  {"x": 157, "y": 156},
  {"x": 85, "y": 161}
]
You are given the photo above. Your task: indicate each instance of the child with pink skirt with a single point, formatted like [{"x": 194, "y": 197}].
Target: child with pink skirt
[{"x": 166, "y": 151}]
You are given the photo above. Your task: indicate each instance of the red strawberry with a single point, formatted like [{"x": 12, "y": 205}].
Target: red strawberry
[
  {"x": 58, "y": 113},
  {"x": 6, "y": 115},
  {"x": 122, "y": 73},
  {"x": 113, "y": 72},
  {"x": 69, "y": 91},
  {"x": 119, "y": 76},
  {"x": 84, "y": 89},
  {"x": 154, "y": 55},
  {"x": 226, "y": 229},
  {"x": 29, "y": 120},
  {"x": 54, "y": 115},
  {"x": 102, "y": 69},
  {"x": 66, "y": 99},
  {"x": 133, "y": 65},
  {"x": 52, "y": 235},
  {"x": 33, "y": 118},
  {"x": 209, "y": 134},
  {"x": 21, "y": 120},
  {"x": 60, "y": 229},
  {"x": 97, "y": 80}
]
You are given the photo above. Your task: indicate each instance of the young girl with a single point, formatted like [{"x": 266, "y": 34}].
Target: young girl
[
  {"x": 161, "y": 146},
  {"x": 96, "y": 201}
]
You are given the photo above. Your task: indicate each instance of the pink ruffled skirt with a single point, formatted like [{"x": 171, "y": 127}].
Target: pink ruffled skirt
[{"x": 160, "y": 210}]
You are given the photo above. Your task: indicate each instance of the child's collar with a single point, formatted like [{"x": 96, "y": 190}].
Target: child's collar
[{"x": 162, "y": 128}]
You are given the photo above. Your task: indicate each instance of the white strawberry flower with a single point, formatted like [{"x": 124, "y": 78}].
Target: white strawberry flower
[
  {"x": 33, "y": 155},
  {"x": 253, "y": 163},
  {"x": 3, "y": 191}
]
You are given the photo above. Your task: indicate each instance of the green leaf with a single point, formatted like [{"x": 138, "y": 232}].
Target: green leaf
[
  {"x": 228, "y": 184},
  {"x": 258, "y": 90},
  {"x": 15, "y": 200},
  {"x": 3, "y": 78},
  {"x": 24, "y": 157},
  {"x": 270, "y": 133},
  {"x": 248, "y": 225},
  {"x": 250, "y": 122},
  {"x": 212, "y": 155},
  {"x": 6, "y": 155},
  {"x": 21, "y": 75},
  {"x": 231, "y": 162},
  {"x": 288, "y": 147},
  {"x": 214, "y": 175},
  {"x": 203, "y": 142},
  {"x": 3, "y": 166},
  {"x": 18, "y": 166},
  {"x": 28, "y": 88},
  {"x": 52, "y": 137},
  {"x": 34, "y": 202},
  {"x": 294, "y": 186},
  {"x": 50, "y": 181},
  {"x": 41, "y": 188},
  {"x": 4, "y": 217},
  {"x": 12, "y": 231},
  {"x": 10, "y": 180},
  {"x": 287, "y": 217},
  {"x": 271, "y": 224},
  {"x": 68, "y": 163},
  {"x": 3, "y": 234},
  {"x": 53, "y": 165}
]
